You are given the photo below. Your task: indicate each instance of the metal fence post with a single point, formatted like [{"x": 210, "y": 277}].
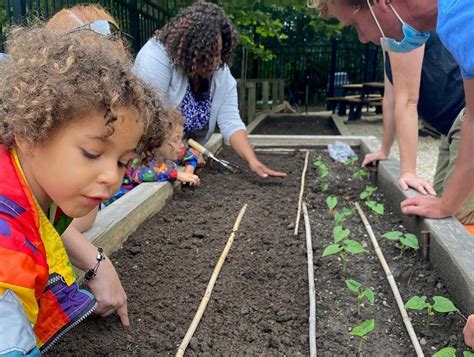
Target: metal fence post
[
  {"x": 19, "y": 11},
  {"x": 134, "y": 20},
  {"x": 332, "y": 70}
]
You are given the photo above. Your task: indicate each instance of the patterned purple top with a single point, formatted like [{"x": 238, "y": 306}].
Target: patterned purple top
[{"x": 196, "y": 108}]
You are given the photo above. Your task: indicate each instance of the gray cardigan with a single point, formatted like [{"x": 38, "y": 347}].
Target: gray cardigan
[{"x": 154, "y": 66}]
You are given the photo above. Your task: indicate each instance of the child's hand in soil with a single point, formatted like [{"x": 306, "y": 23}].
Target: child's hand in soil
[
  {"x": 187, "y": 177},
  {"x": 469, "y": 332},
  {"x": 109, "y": 293}
]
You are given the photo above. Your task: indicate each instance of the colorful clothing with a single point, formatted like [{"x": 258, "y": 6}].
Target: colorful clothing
[
  {"x": 196, "y": 108},
  {"x": 151, "y": 171},
  {"x": 39, "y": 297}
]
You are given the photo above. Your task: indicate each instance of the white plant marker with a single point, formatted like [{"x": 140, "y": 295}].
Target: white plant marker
[
  {"x": 210, "y": 286},
  {"x": 312, "y": 290},
  {"x": 303, "y": 178},
  {"x": 391, "y": 281}
]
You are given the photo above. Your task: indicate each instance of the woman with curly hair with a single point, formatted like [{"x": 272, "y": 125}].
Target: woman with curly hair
[
  {"x": 71, "y": 117},
  {"x": 188, "y": 62}
]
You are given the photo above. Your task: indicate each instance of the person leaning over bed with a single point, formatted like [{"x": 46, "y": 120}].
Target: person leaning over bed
[{"x": 188, "y": 61}]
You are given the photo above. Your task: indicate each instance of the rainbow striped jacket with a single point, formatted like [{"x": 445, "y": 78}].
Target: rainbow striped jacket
[{"x": 40, "y": 299}]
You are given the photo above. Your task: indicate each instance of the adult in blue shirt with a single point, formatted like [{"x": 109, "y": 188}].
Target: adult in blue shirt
[{"x": 411, "y": 21}]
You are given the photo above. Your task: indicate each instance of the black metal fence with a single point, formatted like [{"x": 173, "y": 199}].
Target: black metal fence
[
  {"x": 320, "y": 70},
  {"x": 139, "y": 18}
]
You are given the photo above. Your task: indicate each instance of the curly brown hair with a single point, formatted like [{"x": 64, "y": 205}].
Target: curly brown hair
[
  {"x": 51, "y": 78},
  {"x": 191, "y": 37}
]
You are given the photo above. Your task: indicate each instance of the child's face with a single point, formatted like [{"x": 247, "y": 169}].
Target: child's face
[
  {"x": 80, "y": 165},
  {"x": 176, "y": 142}
]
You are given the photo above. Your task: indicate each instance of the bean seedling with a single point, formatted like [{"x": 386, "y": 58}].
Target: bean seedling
[
  {"x": 362, "y": 331},
  {"x": 341, "y": 216},
  {"x": 451, "y": 352},
  {"x": 366, "y": 196},
  {"x": 405, "y": 241},
  {"x": 323, "y": 173},
  {"x": 361, "y": 174},
  {"x": 351, "y": 161},
  {"x": 441, "y": 304},
  {"x": 361, "y": 292},
  {"x": 343, "y": 246},
  {"x": 331, "y": 202}
]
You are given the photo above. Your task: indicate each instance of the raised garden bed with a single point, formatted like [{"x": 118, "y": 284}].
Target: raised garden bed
[
  {"x": 260, "y": 302},
  {"x": 293, "y": 124}
]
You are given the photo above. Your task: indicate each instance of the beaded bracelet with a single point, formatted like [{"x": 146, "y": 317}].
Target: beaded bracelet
[{"x": 91, "y": 273}]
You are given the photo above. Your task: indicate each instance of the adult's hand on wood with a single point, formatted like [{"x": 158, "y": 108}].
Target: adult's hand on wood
[
  {"x": 411, "y": 180},
  {"x": 426, "y": 206},
  {"x": 469, "y": 332},
  {"x": 263, "y": 171},
  {"x": 109, "y": 292},
  {"x": 373, "y": 157}
]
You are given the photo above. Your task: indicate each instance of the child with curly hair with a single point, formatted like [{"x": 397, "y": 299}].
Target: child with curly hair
[
  {"x": 161, "y": 165},
  {"x": 71, "y": 117}
]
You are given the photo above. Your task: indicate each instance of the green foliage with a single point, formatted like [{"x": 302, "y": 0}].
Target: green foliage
[
  {"x": 351, "y": 161},
  {"x": 405, "y": 241},
  {"x": 331, "y": 202},
  {"x": 361, "y": 174},
  {"x": 323, "y": 173},
  {"x": 265, "y": 24},
  {"x": 366, "y": 196},
  {"x": 441, "y": 304},
  {"x": 341, "y": 216},
  {"x": 367, "y": 193},
  {"x": 468, "y": 354},
  {"x": 362, "y": 331},
  {"x": 361, "y": 292},
  {"x": 445, "y": 352},
  {"x": 343, "y": 246}
]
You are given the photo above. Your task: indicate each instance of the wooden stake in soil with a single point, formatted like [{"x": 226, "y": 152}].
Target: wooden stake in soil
[
  {"x": 312, "y": 290},
  {"x": 303, "y": 178},
  {"x": 391, "y": 281},
  {"x": 210, "y": 286}
]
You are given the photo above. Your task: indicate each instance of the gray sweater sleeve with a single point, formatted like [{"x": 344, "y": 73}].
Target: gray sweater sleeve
[{"x": 154, "y": 67}]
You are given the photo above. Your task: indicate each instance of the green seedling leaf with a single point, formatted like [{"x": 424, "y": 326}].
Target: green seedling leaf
[
  {"x": 339, "y": 218},
  {"x": 368, "y": 192},
  {"x": 332, "y": 249},
  {"x": 339, "y": 233},
  {"x": 360, "y": 174},
  {"x": 375, "y": 207},
  {"x": 417, "y": 303},
  {"x": 323, "y": 172},
  {"x": 352, "y": 246},
  {"x": 364, "y": 328},
  {"x": 443, "y": 305},
  {"x": 369, "y": 294},
  {"x": 331, "y": 201},
  {"x": 353, "y": 285},
  {"x": 347, "y": 211},
  {"x": 350, "y": 161},
  {"x": 324, "y": 186},
  {"x": 446, "y": 352},
  {"x": 395, "y": 235},
  {"x": 468, "y": 354},
  {"x": 410, "y": 240}
]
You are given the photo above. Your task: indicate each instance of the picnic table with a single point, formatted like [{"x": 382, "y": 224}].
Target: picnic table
[{"x": 369, "y": 94}]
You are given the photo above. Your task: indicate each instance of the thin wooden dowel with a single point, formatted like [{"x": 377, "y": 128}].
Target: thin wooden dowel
[
  {"x": 312, "y": 290},
  {"x": 391, "y": 281},
  {"x": 303, "y": 177},
  {"x": 210, "y": 286}
]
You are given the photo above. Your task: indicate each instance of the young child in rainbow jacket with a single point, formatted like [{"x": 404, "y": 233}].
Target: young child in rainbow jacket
[
  {"x": 162, "y": 165},
  {"x": 71, "y": 116}
]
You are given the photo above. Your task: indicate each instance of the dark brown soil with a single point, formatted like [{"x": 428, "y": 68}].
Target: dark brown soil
[
  {"x": 296, "y": 125},
  {"x": 260, "y": 302}
]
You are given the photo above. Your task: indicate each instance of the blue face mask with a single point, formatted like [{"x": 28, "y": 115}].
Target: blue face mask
[{"x": 412, "y": 38}]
